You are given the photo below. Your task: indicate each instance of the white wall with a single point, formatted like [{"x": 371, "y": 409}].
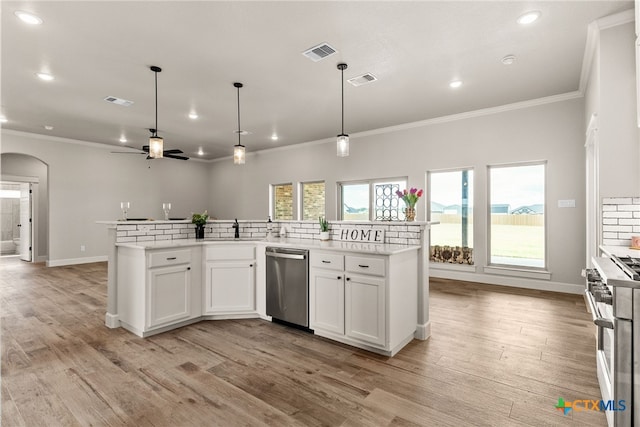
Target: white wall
[
  {"x": 87, "y": 183},
  {"x": 612, "y": 96},
  {"x": 553, "y": 132}
]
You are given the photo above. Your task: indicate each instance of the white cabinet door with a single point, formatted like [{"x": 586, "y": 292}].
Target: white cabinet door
[
  {"x": 230, "y": 287},
  {"x": 326, "y": 309},
  {"x": 169, "y": 296},
  {"x": 365, "y": 318}
]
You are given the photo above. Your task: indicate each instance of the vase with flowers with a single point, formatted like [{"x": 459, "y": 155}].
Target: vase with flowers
[
  {"x": 200, "y": 220},
  {"x": 410, "y": 199}
]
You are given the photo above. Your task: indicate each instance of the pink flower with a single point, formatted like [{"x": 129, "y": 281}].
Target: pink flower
[
  {"x": 420, "y": 193},
  {"x": 413, "y": 190},
  {"x": 399, "y": 193},
  {"x": 404, "y": 191}
]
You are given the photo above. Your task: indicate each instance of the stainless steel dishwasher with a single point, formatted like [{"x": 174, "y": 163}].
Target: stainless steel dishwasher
[{"x": 288, "y": 285}]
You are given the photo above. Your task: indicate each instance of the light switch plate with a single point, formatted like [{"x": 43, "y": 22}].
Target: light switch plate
[{"x": 570, "y": 203}]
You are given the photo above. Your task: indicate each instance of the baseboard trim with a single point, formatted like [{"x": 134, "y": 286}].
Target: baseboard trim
[
  {"x": 516, "y": 282},
  {"x": 112, "y": 320},
  {"x": 74, "y": 261},
  {"x": 423, "y": 332}
]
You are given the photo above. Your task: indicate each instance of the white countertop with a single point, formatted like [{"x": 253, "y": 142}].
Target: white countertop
[
  {"x": 332, "y": 245},
  {"x": 621, "y": 251}
]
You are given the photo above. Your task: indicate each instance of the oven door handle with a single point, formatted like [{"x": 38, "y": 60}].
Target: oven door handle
[{"x": 595, "y": 313}]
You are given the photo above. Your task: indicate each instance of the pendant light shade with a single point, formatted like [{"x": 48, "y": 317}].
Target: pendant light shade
[
  {"x": 156, "y": 145},
  {"x": 342, "y": 143},
  {"x": 238, "y": 149}
]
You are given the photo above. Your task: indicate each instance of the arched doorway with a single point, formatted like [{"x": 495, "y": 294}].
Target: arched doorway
[{"x": 31, "y": 176}]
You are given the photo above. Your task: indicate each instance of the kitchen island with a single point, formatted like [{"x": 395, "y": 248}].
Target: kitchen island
[{"x": 158, "y": 285}]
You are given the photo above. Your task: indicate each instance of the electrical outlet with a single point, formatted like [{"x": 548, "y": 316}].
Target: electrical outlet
[{"x": 82, "y": 248}]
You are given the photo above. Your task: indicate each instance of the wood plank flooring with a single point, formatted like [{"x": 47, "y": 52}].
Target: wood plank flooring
[{"x": 497, "y": 357}]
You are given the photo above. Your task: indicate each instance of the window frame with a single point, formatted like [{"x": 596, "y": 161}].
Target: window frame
[
  {"x": 371, "y": 183},
  {"x": 272, "y": 200},
  {"x": 301, "y": 199},
  {"x": 497, "y": 266},
  {"x": 428, "y": 200}
]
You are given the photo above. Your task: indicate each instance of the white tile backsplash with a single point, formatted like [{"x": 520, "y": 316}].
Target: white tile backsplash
[
  {"x": 620, "y": 220},
  {"x": 398, "y": 233}
]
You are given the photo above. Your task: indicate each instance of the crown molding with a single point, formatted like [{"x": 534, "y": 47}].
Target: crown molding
[{"x": 593, "y": 37}]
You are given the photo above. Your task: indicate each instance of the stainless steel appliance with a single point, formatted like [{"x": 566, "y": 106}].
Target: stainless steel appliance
[
  {"x": 613, "y": 294},
  {"x": 288, "y": 285}
]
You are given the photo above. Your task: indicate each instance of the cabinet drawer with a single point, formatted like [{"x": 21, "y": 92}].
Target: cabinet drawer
[
  {"x": 230, "y": 252},
  {"x": 327, "y": 260},
  {"x": 163, "y": 258},
  {"x": 365, "y": 265}
]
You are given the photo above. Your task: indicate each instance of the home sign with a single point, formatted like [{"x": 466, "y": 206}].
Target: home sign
[{"x": 374, "y": 235}]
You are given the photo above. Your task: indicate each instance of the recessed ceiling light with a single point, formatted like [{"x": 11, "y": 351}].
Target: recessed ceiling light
[
  {"x": 48, "y": 127},
  {"x": 3, "y": 119},
  {"x": 123, "y": 139},
  {"x": 274, "y": 137},
  {"x": 27, "y": 17},
  {"x": 529, "y": 17},
  {"x": 200, "y": 152},
  {"x": 455, "y": 84},
  {"x": 509, "y": 59},
  {"x": 193, "y": 115},
  {"x": 45, "y": 76}
]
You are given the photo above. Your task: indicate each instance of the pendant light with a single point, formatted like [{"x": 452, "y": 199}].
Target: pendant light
[
  {"x": 342, "y": 144},
  {"x": 156, "y": 147},
  {"x": 238, "y": 149}
]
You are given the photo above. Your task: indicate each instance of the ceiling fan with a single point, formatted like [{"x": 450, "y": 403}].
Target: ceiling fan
[{"x": 172, "y": 154}]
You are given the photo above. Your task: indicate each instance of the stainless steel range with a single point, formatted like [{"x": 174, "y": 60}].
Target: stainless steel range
[{"x": 612, "y": 288}]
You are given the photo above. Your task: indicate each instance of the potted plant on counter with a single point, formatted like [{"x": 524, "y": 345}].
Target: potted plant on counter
[
  {"x": 200, "y": 220},
  {"x": 324, "y": 228}
]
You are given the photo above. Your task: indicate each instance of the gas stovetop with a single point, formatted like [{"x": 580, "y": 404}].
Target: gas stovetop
[{"x": 630, "y": 266}]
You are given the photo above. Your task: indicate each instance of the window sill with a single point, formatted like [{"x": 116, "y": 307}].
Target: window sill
[
  {"x": 518, "y": 272},
  {"x": 452, "y": 267}
]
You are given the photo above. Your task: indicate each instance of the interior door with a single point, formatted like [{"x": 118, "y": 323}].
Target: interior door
[{"x": 25, "y": 222}]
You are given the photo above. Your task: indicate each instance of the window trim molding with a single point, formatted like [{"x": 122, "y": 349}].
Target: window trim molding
[
  {"x": 300, "y": 204},
  {"x": 272, "y": 200},
  {"x": 522, "y": 271}
]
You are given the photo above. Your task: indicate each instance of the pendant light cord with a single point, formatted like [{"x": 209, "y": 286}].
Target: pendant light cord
[
  {"x": 342, "y": 79},
  {"x": 155, "y": 133},
  {"x": 238, "y": 87}
]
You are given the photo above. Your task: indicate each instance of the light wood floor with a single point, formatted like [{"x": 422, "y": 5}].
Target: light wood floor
[{"x": 497, "y": 357}]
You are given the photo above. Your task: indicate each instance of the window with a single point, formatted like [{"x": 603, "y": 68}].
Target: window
[
  {"x": 372, "y": 200},
  {"x": 451, "y": 203},
  {"x": 282, "y": 201},
  {"x": 517, "y": 206},
  {"x": 312, "y": 200}
]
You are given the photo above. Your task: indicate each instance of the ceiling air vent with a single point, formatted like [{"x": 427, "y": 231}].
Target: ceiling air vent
[
  {"x": 118, "y": 101},
  {"x": 319, "y": 52},
  {"x": 363, "y": 79}
]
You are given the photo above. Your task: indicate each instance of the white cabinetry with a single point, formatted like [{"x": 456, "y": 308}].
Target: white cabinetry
[
  {"x": 229, "y": 288},
  {"x": 365, "y": 301},
  {"x": 158, "y": 289}
]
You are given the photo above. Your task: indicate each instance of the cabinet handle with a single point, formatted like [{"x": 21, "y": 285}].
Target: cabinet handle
[
  {"x": 339, "y": 277},
  {"x": 363, "y": 266},
  {"x": 348, "y": 278},
  {"x": 188, "y": 268},
  {"x": 171, "y": 258},
  {"x": 250, "y": 265},
  {"x": 326, "y": 262}
]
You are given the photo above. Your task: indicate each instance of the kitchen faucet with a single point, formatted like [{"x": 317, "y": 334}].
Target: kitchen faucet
[{"x": 237, "y": 229}]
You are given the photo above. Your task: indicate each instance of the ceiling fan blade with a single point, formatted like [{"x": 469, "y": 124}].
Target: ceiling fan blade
[
  {"x": 173, "y": 156},
  {"x": 125, "y": 152},
  {"x": 174, "y": 151}
]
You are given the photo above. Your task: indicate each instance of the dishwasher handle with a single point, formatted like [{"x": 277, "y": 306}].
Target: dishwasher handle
[{"x": 282, "y": 255}]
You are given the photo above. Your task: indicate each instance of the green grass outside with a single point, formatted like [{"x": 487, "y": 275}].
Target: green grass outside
[{"x": 515, "y": 241}]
